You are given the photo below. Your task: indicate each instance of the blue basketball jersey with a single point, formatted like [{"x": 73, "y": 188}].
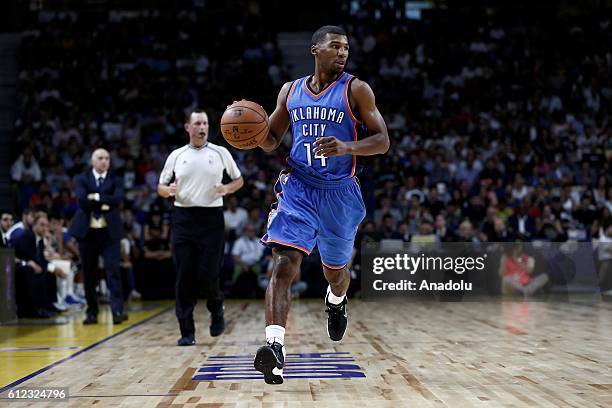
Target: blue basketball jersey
[{"x": 327, "y": 113}]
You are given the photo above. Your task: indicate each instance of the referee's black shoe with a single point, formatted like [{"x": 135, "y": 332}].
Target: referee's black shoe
[
  {"x": 270, "y": 360},
  {"x": 336, "y": 319},
  {"x": 217, "y": 322},
  {"x": 186, "y": 341}
]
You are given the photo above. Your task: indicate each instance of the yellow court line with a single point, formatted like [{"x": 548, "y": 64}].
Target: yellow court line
[{"x": 26, "y": 349}]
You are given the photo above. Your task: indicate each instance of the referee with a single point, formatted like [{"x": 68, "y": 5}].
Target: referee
[{"x": 192, "y": 175}]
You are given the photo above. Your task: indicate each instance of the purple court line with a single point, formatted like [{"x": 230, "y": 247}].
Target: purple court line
[
  {"x": 42, "y": 370},
  {"x": 340, "y": 354}
]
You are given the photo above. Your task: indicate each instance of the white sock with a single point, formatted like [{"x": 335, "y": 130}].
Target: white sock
[
  {"x": 275, "y": 333},
  {"x": 333, "y": 299}
]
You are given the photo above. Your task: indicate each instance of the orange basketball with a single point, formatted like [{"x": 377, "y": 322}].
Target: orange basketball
[{"x": 244, "y": 124}]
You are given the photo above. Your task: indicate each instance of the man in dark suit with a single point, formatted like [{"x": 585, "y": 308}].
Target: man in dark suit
[
  {"x": 36, "y": 283},
  {"x": 97, "y": 227},
  {"x": 521, "y": 223},
  {"x": 6, "y": 222}
]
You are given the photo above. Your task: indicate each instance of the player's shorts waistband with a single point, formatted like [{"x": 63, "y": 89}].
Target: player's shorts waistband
[{"x": 316, "y": 182}]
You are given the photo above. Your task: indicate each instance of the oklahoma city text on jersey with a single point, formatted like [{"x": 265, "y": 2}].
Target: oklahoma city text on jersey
[{"x": 322, "y": 113}]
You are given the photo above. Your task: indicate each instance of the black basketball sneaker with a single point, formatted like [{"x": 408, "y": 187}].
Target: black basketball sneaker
[
  {"x": 270, "y": 360},
  {"x": 336, "y": 319}
]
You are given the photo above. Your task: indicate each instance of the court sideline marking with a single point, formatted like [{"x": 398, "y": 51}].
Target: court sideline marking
[{"x": 42, "y": 370}]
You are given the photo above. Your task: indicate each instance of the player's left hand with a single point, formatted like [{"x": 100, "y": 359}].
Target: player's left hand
[
  {"x": 221, "y": 189},
  {"x": 329, "y": 146}
]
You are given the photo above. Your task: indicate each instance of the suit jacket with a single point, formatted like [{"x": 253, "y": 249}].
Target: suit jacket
[
  {"x": 111, "y": 194},
  {"x": 26, "y": 250},
  {"x": 4, "y": 244},
  {"x": 530, "y": 225}
]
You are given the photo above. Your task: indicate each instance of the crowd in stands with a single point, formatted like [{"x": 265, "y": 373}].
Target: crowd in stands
[{"x": 499, "y": 128}]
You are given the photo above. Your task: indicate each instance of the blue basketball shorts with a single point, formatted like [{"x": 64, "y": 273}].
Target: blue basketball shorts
[{"x": 307, "y": 214}]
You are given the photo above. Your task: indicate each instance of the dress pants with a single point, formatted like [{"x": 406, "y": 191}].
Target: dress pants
[
  {"x": 197, "y": 248},
  {"x": 96, "y": 243}
]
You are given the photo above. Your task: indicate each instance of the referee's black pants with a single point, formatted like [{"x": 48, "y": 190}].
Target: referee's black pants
[{"x": 198, "y": 238}]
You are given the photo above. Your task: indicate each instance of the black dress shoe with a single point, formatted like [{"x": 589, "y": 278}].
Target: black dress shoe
[
  {"x": 119, "y": 318},
  {"x": 186, "y": 341},
  {"x": 217, "y": 323},
  {"x": 91, "y": 320}
]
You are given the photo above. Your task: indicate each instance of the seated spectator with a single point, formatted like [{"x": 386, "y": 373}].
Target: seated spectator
[
  {"x": 501, "y": 233},
  {"x": 441, "y": 230},
  {"x": 62, "y": 251},
  {"x": 435, "y": 202},
  {"x": 157, "y": 268},
  {"x": 41, "y": 196},
  {"x": 157, "y": 247},
  {"x": 247, "y": 252},
  {"x": 257, "y": 218},
  {"x": 27, "y": 220},
  {"x": 132, "y": 225},
  {"x": 298, "y": 286},
  {"x": 586, "y": 212},
  {"x": 550, "y": 227},
  {"x": 521, "y": 223},
  {"x": 235, "y": 217},
  {"x": 388, "y": 228},
  {"x": 385, "y": 208},
  {"x": 6, "y": 222},
  {"x": 367, "y": 233},
  {"x": 519, "y": 189},
  {"x": 403, "y": 232},
  {"x": 129, "y": 252},
  {"x": 57, "y": 178},
  {"x": 467, "y": 233},
  {"x": 26, "y": 169},
  {"x": 491, "y": 173},
  {"x": 516, "y": 270},
  {"x": 425, "y": 234},
  {"x": 62, "y": 242},
  {"x": 35, "y": 275},
  {"x": 488, "y": 225},
  {"x": 158, "y": 218},
  {"x": 143, "y": 201},
  {"x": 65, "y": 203},
  {"x": 467, "y": 172}
]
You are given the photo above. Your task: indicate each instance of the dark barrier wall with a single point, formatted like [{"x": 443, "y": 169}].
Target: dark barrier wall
[{"x": 8, "y": 310}]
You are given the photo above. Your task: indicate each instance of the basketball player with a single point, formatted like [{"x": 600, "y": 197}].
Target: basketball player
[{"x": 319, "y": 199}]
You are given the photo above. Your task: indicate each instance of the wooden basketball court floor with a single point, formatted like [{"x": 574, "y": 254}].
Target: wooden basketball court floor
[{"x": 410, "y": 354}]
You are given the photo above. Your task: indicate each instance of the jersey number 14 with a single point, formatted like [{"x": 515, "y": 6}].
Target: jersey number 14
[{"x": 316, "y": 156}]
